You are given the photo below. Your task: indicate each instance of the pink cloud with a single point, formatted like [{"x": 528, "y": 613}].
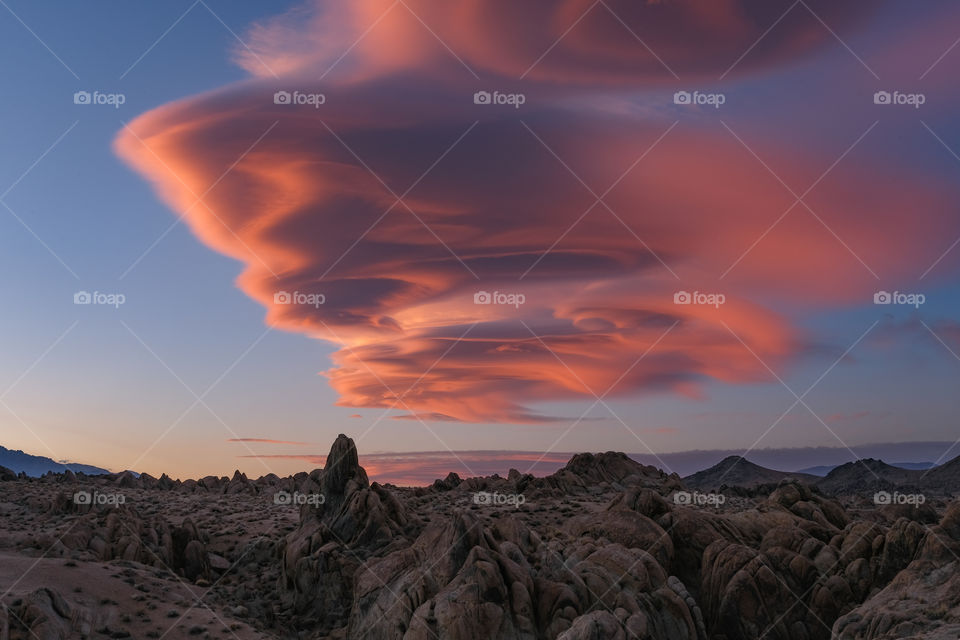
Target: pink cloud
[
  {"x": 637, "y": 42},
  {"x": 306, "y": 199}
]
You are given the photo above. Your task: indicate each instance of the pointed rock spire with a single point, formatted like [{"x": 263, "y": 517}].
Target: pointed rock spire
[{"x": 342, "y": 467}]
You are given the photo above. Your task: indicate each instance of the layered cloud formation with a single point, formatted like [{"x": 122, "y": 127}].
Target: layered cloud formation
[
  {"x": 618, "y": 42},
  {"x": 474, "y": 260}
]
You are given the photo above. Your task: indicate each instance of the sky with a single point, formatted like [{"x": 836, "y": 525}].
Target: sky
[{"x": 233, "y": 230}]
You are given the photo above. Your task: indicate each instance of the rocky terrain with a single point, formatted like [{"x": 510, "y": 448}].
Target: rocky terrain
[{"x": 603, "y": 548}]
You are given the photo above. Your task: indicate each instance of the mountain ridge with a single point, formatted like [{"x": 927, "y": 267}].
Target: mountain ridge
[
  {"x": 19, "y": 461},
  {"x": 738, "y": 471}
]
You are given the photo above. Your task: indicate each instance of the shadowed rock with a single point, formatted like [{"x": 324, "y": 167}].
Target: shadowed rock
[
  {"x": 923, "y": 600},
  {"x": 600, "y": 549},
  {"x": 342, "y": 473}
]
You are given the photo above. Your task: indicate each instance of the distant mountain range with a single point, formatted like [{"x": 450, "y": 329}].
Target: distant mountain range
[
  {"x": 803, "y": 459},
  {"x": 824, "y": 469},
  {"x": 740, "y": 472},
  {"x": 18, "y": 461},
  {"x": 859, "y": 477},
  {"x": 421, "y": 468}
]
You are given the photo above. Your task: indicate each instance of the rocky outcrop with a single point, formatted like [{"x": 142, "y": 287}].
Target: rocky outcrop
[
  {"x": 452, "y": 481},
  {"x": 642, "y": 566},
  {"x": 351, "y": 510},
  {"x": 46, "y": 615},
  {"x": 604, "y": 548},
  {"x": 922, "y": 600},
  {"x": 811, "y": 565},
  {"x": 360, "y": 566},
  {"x": 593, "y": 473},
  {"x": 626, "y": 527},
  {"x": 463, "y": 580},
  {"x": 348, "y": 520},
  {"x": 120, "y": 533}
]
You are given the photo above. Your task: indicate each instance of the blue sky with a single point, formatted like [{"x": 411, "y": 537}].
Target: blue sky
[{"x": 115, "y": 380}]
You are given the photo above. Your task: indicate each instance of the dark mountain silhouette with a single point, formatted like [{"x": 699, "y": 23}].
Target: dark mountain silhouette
[
  {"x": 823, "y": 469},
  {"x": 862, "y": 477},
  {"x": 740, "y": 472},
  {"x": 869, "y": 475},
  {"x": 946, "y": 476},
  {"x": 18, "y": 461}
]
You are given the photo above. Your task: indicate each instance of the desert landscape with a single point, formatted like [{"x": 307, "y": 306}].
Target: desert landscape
[
  {"x": 604, "y": 548},
  {"x": 479, "y": 320}
]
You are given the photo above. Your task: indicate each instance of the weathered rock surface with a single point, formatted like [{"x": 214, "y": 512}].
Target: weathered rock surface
[
  {"x": 922, "y": 600},
  {"x": 604, "y": 548}
]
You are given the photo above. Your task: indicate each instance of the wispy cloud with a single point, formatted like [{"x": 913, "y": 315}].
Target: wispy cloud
[
  {"x": 423, "y": 467},
  {"x": 266, "y": 440}
]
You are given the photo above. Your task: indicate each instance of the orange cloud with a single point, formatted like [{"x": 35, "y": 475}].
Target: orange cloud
[
  {"x": 505, "y": 204},
  {"x": 563, "y": 42}
]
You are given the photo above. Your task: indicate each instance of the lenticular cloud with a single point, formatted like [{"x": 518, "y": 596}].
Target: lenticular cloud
[{"x": 473, "y": 259}]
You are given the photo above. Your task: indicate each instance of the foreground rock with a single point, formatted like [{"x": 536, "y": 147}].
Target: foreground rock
[
  {"x": 604, "y": 548},
  {"x": 923, "y": 600}
]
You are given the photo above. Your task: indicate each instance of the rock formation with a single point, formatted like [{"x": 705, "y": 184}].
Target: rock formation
[{"x": 603, "y": 548}]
